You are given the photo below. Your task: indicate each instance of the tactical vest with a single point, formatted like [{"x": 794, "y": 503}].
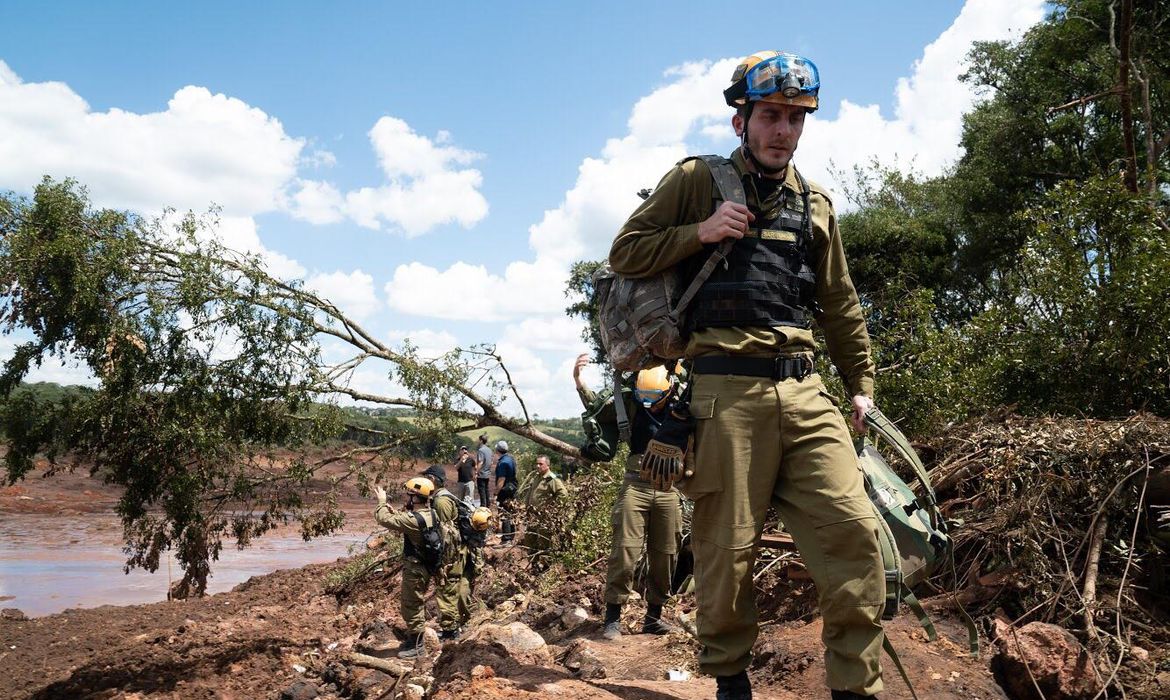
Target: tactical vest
[
  {"x": 767, "y": 279},
  {"x": 645, "y": 424}
]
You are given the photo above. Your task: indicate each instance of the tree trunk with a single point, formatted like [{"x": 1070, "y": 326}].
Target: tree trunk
[{"x": 1124, "y": 41}]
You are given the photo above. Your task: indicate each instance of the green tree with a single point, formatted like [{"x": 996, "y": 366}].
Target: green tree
[{"x": 206, "y": 363}]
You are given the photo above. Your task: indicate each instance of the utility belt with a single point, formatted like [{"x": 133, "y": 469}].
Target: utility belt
[{"x": 776, "y": 368}]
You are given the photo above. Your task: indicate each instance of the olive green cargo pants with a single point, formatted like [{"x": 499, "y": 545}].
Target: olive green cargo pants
[
  {"x": 468, "y": 603},
  {"x": 758, "y": 442},
  {"x": 643, "y": 518},
  {"x": 415, "y": 579},
  {"x": 447, "y": 584}
]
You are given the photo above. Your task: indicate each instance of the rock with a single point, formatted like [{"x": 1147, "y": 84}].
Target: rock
[
  {"x": 515, "y": 636},
  {"x": 300, "y": 690},
  {"x": 424, "y": 681},
  {"x": 413, "y": 692},
  {"x": 431, "y": 641},
  {"x": 574, "y": 617},
  {"x": 582, "y": 660},
  {"x": 1140, "y": 654},
  {"x": 12, "y": 614},
  {"x": 1051, "y": 655},
  {"x": 482, "y": 672},
  {"x": 377, "y": 629}
]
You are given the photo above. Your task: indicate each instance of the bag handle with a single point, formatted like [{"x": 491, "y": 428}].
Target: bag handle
[{"x": 884, "y": 427}]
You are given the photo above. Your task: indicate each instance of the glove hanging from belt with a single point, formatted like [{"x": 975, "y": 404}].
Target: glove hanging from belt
[{"x": 665, "y": 456}]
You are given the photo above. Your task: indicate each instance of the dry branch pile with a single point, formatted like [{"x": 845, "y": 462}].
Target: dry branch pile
[{"x": 1059, "y": 523}]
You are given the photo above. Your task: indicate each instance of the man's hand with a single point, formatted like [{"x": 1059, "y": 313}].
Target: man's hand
[
  {"x": 582, "y": 360},
  {"x": 380, "y": 493},
  {"x": 730, "y": 220},
  {"x": 861, "y": 404}
]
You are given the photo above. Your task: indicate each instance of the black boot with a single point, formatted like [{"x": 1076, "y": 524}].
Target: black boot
[
  {"x": 613, "y": 621},
  {"x": 850, "y": 695},
  {"x": 736, "y": 687},
  {"x": 653, "y": 623}
]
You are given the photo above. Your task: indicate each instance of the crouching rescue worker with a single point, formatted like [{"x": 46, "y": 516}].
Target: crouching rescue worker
[
  {"x": 765, "y": 429},
  {"x": 421, "y": 562},
  {"x": 643, "y": 518}
]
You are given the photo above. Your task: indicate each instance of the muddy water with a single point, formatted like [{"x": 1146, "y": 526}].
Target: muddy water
[{"x": 51, "y": 563}]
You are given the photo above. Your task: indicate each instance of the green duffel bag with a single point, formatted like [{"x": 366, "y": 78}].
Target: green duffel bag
[{"x": 914, "y": 535}]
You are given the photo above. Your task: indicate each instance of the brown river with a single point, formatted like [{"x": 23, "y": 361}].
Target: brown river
[{"x": 49, "y": 563}]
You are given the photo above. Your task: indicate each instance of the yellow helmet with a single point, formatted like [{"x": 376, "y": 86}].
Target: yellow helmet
[
  {"x": 652, "y": 385},
  {"x": 419, "y": 486},
  {"x": 481, "y": 519},
  {"x": 772, "y": 76}
]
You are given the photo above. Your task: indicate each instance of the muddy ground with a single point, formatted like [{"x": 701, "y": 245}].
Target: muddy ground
[{"x": 283, "y": 633}]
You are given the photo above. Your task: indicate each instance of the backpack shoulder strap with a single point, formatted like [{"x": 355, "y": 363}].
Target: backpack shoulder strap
[
  {"x": 418, "y": 518},
  {"x": 619, "y": 405},
  {"x": 730, "y": 188},
  {"x": 884, "y": 427},
  {"x": 726, "y": 179}
]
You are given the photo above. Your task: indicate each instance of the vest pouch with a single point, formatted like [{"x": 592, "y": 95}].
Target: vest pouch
[{"x": 706, "y": 477}]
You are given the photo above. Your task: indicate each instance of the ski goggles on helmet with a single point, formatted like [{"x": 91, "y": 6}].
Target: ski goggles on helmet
[
  {"x": 786, "y": 74},
  {"x": 649, "y": 397}
]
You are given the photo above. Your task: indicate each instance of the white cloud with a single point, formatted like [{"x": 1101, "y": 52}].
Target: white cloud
[
  {"x": 929, "y": 105},
  {"x": 559, "y": 333},
  {"x": 425, "y": 187},
  {"x": 430, "y": 343},
  {"x": 203, "y": 148},
  {"x": 351, "y": 292}
]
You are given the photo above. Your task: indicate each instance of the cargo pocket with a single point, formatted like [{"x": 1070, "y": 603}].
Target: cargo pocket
[
  {"x": 707, "y": 475},
  {"x": 846, "y": 532}
]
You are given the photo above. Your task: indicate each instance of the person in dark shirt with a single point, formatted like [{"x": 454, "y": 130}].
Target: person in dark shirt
[
  {"x": 506, "y": 486},
  {"x": 465, "y": 468}
]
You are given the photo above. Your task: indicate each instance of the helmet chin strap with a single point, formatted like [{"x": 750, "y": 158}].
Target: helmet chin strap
[{"x": 747, "y": 150}]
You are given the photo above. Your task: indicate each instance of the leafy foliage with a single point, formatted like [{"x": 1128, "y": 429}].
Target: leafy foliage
[{"x": 207, "y": 364}]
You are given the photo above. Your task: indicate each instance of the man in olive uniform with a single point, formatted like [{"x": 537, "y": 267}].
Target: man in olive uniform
[
  {"x": 446, "y": 505},
  {"x": 415, "y": 574},
  {"x": 473, "y": 563},
  {"x": 542, "y": 492},
  {"x": 643, "y": 518},
  {"x": 766, "y": 430}
]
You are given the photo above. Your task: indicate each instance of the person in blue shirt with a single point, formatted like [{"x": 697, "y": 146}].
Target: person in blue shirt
[{"x": 506, "y": 486}]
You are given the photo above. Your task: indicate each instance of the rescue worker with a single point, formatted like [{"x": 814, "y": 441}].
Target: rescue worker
[
  {"x": 643, "y": 518},
  {"x": 473, "y": 564},
  {"x": 765, "y": 429},
  {"x": 447, "y": 585},
  {"x": 415, "y": 574},
  {"x": 543, "y": 491}
]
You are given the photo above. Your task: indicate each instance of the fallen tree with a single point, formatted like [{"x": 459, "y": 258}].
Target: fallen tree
[{"x": 206, "y": 363}]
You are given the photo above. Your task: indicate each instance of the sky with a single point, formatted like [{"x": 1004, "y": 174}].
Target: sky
[{"x": 435, "y": 168}]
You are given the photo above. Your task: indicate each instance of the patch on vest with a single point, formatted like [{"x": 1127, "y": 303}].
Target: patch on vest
[{"x": 771, "y": 234}]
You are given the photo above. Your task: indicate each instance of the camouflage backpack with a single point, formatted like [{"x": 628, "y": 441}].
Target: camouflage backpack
[
  {"x": 912, "y": 531},
  {"x": 641, "y": 325}
]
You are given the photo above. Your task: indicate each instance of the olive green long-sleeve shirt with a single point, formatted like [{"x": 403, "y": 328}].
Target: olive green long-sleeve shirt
[{"x": 664, "y": 231}]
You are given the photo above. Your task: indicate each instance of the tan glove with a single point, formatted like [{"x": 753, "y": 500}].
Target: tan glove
[{"x": 664, "y": 460}]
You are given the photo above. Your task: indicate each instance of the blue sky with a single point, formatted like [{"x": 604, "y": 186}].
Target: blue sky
[{"x": 436, "y": 167}]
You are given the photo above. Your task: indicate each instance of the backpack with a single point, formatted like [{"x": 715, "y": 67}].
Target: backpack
[
  {"x": 440, "y": 542},
  {"x": 467, "y": 534},
  {"x": 639, "y": 321},
  {"x": 510, "y": 484},
  {"x": 602, "y": 426},
  {"x": 912, "y": 532}
]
